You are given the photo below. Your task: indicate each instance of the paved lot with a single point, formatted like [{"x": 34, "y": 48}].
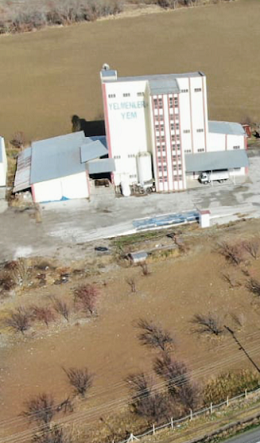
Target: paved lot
[{"x": 65, "y": 224}]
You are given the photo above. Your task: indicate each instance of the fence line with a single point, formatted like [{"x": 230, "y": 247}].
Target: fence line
[{"x": 175, "y": 423}]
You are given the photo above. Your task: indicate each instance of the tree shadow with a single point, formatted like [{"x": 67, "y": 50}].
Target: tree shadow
[{"x": 90, "y": 128}]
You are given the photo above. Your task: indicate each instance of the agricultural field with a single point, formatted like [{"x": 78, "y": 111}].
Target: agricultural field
[
  {"x": 199, "y": 276},
  {"x": 51, "y": 74}
]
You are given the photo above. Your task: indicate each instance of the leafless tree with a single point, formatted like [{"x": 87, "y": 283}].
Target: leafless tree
[
  {"x": 18, "y": 140},
  {"x": 54, "y": 434},
  {"x": 207, "y": 324},
  {"x": 232, "y": 252},
  {"x": 61, "y": 307},
  {"x": 145, "y": 269},
  {"x": 131, "y": 282},
  {"x": 86, "y": 297},
  {"x": 180, "y": 387},
  {"x": 19, "y": 320},
  {"x": 230, "y": 279},
  {"x": 40, "y": 409},
  {"x": 154, "y": 336},
  {"x": 80, "y": 379},
  {"x": 252, "y": 246},
  {"x": 145, "y": 401},
  {"x": 253, "y": 286},
  {"x": 42, "y": 314}
]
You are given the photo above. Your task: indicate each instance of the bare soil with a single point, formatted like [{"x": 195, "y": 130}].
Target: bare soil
[
  {"x": 50, "y": 75},
  {"x": 177, "y": 288}
]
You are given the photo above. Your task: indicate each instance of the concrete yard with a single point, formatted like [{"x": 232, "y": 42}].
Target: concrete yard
[{"x": 72, "y": 223}]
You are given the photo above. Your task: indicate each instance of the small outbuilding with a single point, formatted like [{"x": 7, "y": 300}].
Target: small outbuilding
[{"x": 57, "y": 168}]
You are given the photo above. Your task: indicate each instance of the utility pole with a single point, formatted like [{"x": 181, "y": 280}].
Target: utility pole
[{"x": 241, "y": 348}]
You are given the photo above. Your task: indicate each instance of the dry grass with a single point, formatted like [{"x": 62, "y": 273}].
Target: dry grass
[{"x": 54, "y": 73}]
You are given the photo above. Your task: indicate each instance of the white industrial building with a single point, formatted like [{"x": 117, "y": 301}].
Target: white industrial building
[
  {"x": 157, "y": 128},
  {"x": 3, "y": 163},
  {"x": 62, "y": 168}
]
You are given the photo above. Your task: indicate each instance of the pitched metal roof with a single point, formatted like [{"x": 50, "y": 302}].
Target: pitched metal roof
[
  {"x": 23, "y": 170},
  {"x": 212, "y": 161},
  {"x": 101, "y": 166},
  {"x": 90, "y": 151},
  {"x": 161, "y": 77},
  {"x": 226, "y": 128},
  {"x": 57, "y": 157},
  {"x": 168, "y": 86}
]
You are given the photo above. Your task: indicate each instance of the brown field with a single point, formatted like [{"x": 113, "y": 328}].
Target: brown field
[
  {"x": 176, "y": 289},
  {"x": 51, "y": 74}
]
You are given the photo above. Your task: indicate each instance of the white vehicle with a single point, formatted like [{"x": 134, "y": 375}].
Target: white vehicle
[{"x": 208, "y": 177}]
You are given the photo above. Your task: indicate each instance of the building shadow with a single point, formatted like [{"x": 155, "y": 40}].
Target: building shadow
[{"x": 90, "y": 128}]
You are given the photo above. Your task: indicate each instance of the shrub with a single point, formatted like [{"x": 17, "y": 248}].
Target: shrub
[
  {"x": 19, "y": 320},
  {"x": 86, "y": 297},
  {"x": 80, "y": 379},
  {"x": 252, "y": 246},
  {"x": 40, "y": 409},
  {"x": 253, "y": 286},
  {"x": 55, "y": 434},
  {"x": 131, "y": 282},
  {"x": 42, "y": 314},
  {"x": 229, "y": 384},
  {"x": 154, "y": 336},
  {"x": 61, "y": 307}
]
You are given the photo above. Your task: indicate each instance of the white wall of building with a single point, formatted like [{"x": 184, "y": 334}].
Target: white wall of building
[
  {"x": 71, "y": 187},
  {"x": 222, "y": 142},
  {"x": 3, "y": 164},
  {"x": 128, "y": 124}
]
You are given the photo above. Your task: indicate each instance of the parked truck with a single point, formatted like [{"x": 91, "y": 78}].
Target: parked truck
[{"x": 208, "y": 177}]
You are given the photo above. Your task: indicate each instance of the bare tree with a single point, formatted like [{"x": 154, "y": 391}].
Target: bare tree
[
  {"x": 230, "y": 279},
  {"x": 145, "y": 401},
  {"x": 253, "y": 286},
  {"x": 131, "y": 282},
  {"x": 80, "y": 379},
  {"x": 40, "y": 409},
  {"x": 19, "y": 320},
  {"x": 154, "y": 336},
  {"x": 207, "y": 324},
  {"x": 61, "y": 307},
  {"x": 252, "y": 246},
  {"x": 43, "y": 314},
  {"x": 54, "y": 434},
  {"x": 145, "y": 269},
  {"x": 18, "y": 140},
  {"x": 232, "y": 252},
  {"x": 86, "y": 296},
  {"x": 176, "y": 375}
]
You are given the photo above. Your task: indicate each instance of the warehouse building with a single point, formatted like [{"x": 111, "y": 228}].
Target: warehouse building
[
  {"x": 157, "y": 129},
  {"x": 62, "y": 168}
]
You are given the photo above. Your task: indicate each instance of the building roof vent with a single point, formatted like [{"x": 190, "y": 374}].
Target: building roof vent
[{"x": 105, "y": 67}]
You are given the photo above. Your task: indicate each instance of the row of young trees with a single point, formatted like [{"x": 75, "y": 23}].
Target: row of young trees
[{"x": 85, "y": 300}]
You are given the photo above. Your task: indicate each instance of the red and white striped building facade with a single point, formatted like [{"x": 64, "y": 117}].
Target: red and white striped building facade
[{"x": 167, "y": 116}]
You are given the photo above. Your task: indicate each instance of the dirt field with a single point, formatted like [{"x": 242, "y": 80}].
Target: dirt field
[
  {"x": 49, "y": 75},
  {"x": 176, "y": 289}
]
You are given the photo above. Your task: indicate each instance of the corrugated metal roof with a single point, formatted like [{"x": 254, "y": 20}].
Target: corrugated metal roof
[
  {"x": 212, "y": 161},
  {"x": 101, "y": 166},
  {"x": 90, "y": 151},
  {"x": 226, "y": 128},
  {"x": 160, "y": 77},
  {"x": 57, "y": 157},
  {"x": 168, "y": 86},
  {"x": 23, "y": 171}
]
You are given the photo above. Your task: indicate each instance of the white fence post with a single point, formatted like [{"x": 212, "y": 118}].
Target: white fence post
[
  {"x": 171, "y": 422},
  {"x": 153, "y": 429},
  {"x": 211, "y": 408},
  {"x": 191, "y": 414},
  {"x": 245, "y": 393},
  {"x": 227, "y": 401}
]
